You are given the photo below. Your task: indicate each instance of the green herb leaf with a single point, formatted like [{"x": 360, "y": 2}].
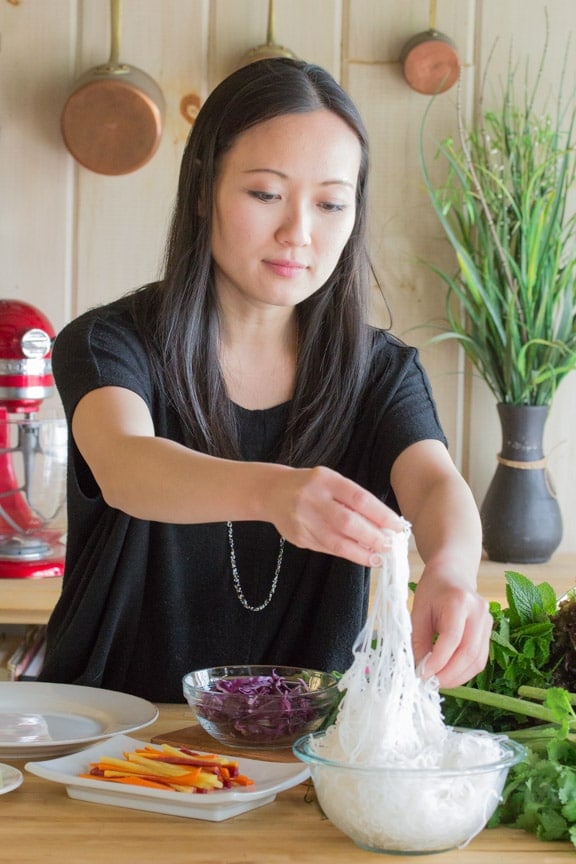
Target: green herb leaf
[
  {"x": 558, "y": 702},
  {"x": 540, "y": 793},
  {"x": 527, "y": 602}
]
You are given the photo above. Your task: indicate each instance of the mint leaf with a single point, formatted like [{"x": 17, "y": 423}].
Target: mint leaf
[
  {"x": 525, "y": 601},
  {"x": 548, "y": 597}
]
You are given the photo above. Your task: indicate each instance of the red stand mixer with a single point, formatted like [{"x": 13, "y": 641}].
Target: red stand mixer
[{"x": 33, "y": 451}]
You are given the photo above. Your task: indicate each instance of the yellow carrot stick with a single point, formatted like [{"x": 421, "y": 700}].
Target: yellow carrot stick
[{"x": 195, "y": 771}]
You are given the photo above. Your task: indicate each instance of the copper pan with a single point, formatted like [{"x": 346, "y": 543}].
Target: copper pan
[
  {"x": 430, "y": 62},
  {"x": 112, "y": 120}
]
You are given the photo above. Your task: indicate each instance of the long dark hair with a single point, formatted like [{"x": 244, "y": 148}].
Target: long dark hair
[{"x": 333, "y": 348}]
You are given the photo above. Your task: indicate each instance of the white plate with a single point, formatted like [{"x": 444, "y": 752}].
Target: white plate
[
  {"x": 64, "y": 718},
  {"x": 269, "y": 779},
  {"x": 10, "y": 778}
]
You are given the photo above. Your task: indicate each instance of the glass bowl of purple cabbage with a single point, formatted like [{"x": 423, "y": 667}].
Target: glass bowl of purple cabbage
[{"x": 261, "y": 707}]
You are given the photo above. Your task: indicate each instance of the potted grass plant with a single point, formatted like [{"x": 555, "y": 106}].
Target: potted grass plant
[{"x": 511, "y": 301}]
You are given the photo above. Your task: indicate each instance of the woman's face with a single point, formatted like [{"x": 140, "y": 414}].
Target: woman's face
[{"x": 284, "y": 208}]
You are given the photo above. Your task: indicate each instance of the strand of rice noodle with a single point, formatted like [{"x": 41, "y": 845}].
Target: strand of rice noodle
[
  {"x": 389, "y": 714},
  {"x": 390, "y": 720}
]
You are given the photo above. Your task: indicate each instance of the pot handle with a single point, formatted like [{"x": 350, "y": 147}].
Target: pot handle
[{"x": 115, "y": 23}]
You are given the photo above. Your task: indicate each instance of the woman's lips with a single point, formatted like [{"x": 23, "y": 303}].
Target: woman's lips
[{"x": 285, "y": 268}]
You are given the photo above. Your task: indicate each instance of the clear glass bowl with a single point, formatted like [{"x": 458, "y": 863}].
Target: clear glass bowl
[
  {"x": 262, "y": 720},
  {"x": 33, "y": 519},
  {"x": 409, "y": 811}
]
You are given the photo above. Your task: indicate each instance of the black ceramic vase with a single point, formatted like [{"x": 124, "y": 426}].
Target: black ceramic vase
[{"x": 521, "y": 519}]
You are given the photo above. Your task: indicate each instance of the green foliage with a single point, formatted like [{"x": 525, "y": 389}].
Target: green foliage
[
  {"x": 512, "y": 302},
  {"x": 520, "y": 647},
  {"x": 540, "y": 793}
]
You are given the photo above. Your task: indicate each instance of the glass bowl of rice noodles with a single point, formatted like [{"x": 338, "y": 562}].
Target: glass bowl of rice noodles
[
  {"x": 388, "y": 772},
  {"x": 402, "y": 810}
]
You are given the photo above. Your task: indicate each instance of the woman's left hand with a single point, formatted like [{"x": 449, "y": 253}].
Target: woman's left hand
[
  {"x": 451, "y": 622},
  {"x": 451, "y": 627}
]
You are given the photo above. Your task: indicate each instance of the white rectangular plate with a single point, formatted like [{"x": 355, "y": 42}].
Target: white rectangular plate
[{"x": 269, "y": 779}]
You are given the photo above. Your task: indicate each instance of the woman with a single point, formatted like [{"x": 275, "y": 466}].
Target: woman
[{"x": 240, "y": 436}]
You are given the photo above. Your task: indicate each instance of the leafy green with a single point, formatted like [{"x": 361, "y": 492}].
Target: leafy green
[
  {"x": 540, "y": 795},
  {"x": 563, "y": 655},
  {"x": 520, "y": 647},
  {"x": 515, "y": 689},
  {"x": 528, "y": 602}
]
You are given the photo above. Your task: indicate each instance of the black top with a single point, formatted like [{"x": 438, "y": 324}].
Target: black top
[{"x": 145, "y": 602}]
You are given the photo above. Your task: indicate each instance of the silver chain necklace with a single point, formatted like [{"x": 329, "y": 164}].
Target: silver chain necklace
[{"x": 236, "y": 575}]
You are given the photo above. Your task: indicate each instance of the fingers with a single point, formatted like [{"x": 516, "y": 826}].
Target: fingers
[
  {"x": 361, "y": 503},
  {"x": 334, "y": 515},
  {"x": 454, "y": 660},
  {"x": 353, "y": 539},
  {"x": 456, "y": 648},
  {"x": 353, "y": 533}
]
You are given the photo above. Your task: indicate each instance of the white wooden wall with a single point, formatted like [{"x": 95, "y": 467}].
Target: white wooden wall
[{"x": 70, "y": 238}]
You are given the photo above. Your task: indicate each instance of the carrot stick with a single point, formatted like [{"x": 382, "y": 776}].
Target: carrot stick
[
  {"x": 242, "y": 780},
  {"x": 170, "y": 768},
  {"x": 141, "y": 781}
]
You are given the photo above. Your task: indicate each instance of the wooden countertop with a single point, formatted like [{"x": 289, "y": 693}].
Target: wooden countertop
[{"x": 40, "y": 823}]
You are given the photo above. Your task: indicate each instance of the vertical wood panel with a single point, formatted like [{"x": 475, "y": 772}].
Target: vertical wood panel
[
  {"x": 378, "y": 29},
  {"x": 237, "y": 26},
  {"x": 70, "y": 239},
  {"x": 123, "y": 220},
  {"x": 405, "y": 231},
  {"x": 35, "y": 178}
]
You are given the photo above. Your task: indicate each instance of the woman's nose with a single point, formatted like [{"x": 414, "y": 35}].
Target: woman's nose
[{"x": 295, "y": 228}]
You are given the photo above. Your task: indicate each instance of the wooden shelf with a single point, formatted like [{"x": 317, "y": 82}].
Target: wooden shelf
[
  {"x": 560, "y": 572},
  {"x": 28, "y": 601}
]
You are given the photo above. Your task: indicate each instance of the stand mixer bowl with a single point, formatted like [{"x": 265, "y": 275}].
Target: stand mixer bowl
[{"x": 33, "y": 458}]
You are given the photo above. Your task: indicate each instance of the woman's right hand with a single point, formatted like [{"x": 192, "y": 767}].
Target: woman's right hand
[
  {"x": 156, "y": 479},
  {"x": 320, "y": 509}
]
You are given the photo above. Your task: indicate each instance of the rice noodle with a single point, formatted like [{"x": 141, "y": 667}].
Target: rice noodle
[{"x": 391, "y": 716}]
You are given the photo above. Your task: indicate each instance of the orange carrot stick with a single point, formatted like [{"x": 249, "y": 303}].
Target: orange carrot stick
[
  {"x": 170, "y": 768},
  {"x": 242, "y": 780}
]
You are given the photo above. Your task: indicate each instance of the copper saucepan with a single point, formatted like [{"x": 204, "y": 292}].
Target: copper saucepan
[
  {"x": 430, "y": 62},
  {"x": 112, "y": 120}
]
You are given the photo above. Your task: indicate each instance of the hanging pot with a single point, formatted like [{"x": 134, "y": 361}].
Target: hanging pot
[
  {"x": 521, "y": 519},
  {"x": 112, "y": 120},
  {"x": 270, "y": 48},
  {"x": 430, "y": 62}
]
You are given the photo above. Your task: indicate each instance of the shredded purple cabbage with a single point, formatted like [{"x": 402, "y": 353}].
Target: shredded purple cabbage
[{"x": 249, "y": 707}]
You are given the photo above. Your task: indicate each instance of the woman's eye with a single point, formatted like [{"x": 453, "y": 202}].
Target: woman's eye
[
  {"x": 263, "y": 196},
  {"x": 332, "y": 206},
  {"x": 267, "y": 197}
]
